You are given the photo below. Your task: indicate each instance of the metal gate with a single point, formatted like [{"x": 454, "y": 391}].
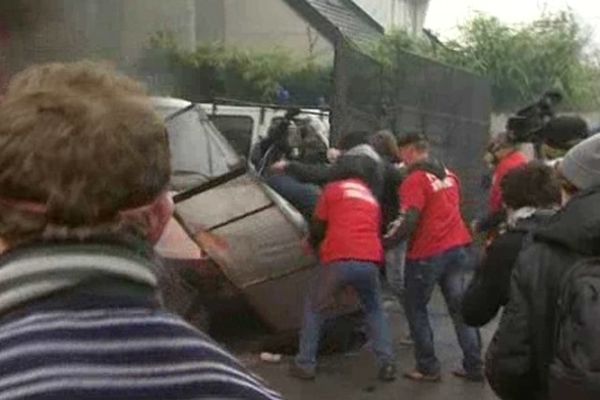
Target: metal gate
[{"x": 451, "y": 106}]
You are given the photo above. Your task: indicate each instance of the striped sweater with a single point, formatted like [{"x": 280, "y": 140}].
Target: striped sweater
[{"x": 103, "y": 335}]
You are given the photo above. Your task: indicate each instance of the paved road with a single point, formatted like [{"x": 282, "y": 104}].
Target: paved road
[{"x": 352, "y": 377}]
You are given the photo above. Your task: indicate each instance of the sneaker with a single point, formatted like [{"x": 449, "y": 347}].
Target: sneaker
[
  {"x": 387, "y": 372},
  {"x": 301, "y": 373},
  {"x": 469, "y": 376},
  {"x": 406, "y": 340},
  {"x": 421, "y": 377}
]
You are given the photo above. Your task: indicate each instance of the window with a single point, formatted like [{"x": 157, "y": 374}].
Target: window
[
  {"x": 237, "y": 130},
  {"x": 199, "y": 152}
]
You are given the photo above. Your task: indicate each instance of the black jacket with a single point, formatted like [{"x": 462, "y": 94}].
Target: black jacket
[
  {"x": 390, "y": 200},
  {"x": 522, "y": 350},
  {"x": 319, "y": 173},
  {"x": 384, "y": 187},
  {"x": 490, "y": 286}
]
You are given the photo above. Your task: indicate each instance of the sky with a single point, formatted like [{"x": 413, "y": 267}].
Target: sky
[{"x": 444, "y": 15}]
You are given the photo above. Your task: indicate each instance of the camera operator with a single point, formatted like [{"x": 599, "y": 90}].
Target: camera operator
[
  {"x": 286, "y": 141},
  {"x": 552, "y": 136},
  {"x": 561, "y": 134},
  {"x": 282, "y": 142}
]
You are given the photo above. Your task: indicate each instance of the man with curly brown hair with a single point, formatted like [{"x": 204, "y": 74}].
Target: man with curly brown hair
[{"x": 84, "y": 170}]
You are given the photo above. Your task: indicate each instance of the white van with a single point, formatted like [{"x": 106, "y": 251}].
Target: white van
[{"x": 244, "y": 124}]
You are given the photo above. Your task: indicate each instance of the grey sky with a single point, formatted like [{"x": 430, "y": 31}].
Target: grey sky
[{"x": 444, "y": 15}]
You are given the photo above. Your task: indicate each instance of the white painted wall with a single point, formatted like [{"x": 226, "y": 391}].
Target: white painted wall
[
  {"x": 397, "y": 14},
  {"x": 268, "y": 24}
]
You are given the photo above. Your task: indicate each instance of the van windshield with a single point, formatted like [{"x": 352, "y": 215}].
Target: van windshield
[{"x": 199, "y": 152}]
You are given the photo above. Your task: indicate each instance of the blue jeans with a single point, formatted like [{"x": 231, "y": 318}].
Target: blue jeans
[
  {"x": 303, "y": 196},
  {"x": 449, "y": 271},
  {"x": 364, "y": 278},
  {"x": 395, "y": 261}
]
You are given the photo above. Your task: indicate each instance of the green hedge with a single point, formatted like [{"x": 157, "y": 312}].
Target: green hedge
[{"x": 213, "y": 70}]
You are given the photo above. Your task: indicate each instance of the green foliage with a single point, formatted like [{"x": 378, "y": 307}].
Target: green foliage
[
  {"x": 521, "y": 61},
  {"x": 392, "y": 44},
  {"x": 213, "y": 70}
]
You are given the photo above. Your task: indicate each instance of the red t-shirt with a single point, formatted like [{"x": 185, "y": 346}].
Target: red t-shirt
[
  {"x": 353, "y": 219},
  {"x": 441, "y": 226},
  {"x": 507, "y": 164}
]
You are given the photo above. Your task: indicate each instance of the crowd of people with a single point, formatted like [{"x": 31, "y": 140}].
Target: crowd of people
[
  {"x": 84, "y": 175},
  {"x": 386, "y": 203}
]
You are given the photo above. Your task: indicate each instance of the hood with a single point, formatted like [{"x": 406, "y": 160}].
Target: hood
[
  {"x": 364, "y": 150},
  {"x": 577, "y": 225},
  {"x": 532, "y": 222},
  {"x": 362, "y": 167},
  {"x": 431, "y": 166}
]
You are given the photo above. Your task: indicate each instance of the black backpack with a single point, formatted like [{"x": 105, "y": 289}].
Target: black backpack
[{"x": 575, "y": 370}]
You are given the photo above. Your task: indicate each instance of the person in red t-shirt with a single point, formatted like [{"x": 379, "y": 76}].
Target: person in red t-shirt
[
  {"x": 504, "y": 155},
  {"x": 347, "y": 226},
  {"x": 438, "y": 254}
]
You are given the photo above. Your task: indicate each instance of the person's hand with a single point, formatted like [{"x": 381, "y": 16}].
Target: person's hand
[
  {"x": 475, "y": 226},
  {"x": 333, "y": 154},
  {"x": 307, "y": 247},
  {"x": 280, "y": 166}
]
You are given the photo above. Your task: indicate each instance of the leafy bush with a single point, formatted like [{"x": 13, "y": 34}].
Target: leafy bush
[
  {"x": 521, "y": 61},
  {"x": 213, "y": 70}
]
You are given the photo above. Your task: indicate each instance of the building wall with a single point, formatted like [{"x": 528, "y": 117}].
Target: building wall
[
  {"x": 210, "y": 21},
  {"x": 62, "y": 30},
  {"x": 397, "y": 14},
  {"x": 45, "y": 35},
  {"x": 65, "y": 30},
  {"x": 142, "y": 18},
  {"x": 270, "y": 25}
]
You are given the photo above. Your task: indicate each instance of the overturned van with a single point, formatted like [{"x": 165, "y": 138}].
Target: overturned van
[{"x": 230, "y": 228}]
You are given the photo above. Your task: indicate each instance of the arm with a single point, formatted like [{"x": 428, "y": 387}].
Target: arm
[
  {"x": 489, "y": 288},
  {"x": 318, "y": 225},
  {"x": 491, "y": 222},
  {"x": 509, "y": 363},
  {"x": 402, "y": 228},
  {"x": 318, "y": 228},
  {"x": 496, "y": 196},
  {"x": 412, "y": 198},
  {"x": 309, "y": 173}
]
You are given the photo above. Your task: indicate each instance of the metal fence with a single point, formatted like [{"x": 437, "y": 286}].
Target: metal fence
[{"x": 451, "y": 106}]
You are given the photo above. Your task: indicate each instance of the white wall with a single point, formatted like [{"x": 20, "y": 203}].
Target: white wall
[
  {"x": 396, "y": 14},
  {"x": 273, "y": 24},
  {"x": 142, "y": 18}
]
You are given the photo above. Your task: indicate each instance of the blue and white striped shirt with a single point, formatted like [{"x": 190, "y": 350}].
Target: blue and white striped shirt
[{"x": 84, "y": 343}]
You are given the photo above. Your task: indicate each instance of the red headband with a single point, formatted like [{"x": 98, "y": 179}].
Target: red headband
[
  {"x": 33, "y": 207},
  {"x": 24, "y": 205}
]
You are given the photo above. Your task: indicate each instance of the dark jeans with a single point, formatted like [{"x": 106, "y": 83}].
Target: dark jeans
[
  {"x": 364, "y": 278},
  {"x": 449, "y": 271},
  {"x": 395, "y": 262},
  {"x": 303, "y": 196}
]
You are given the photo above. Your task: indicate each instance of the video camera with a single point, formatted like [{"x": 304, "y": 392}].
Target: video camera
[
  {"x": 538, "y": 123},
  {"x": 285, "y": 136},
  {"x": 528, "y": 123}
]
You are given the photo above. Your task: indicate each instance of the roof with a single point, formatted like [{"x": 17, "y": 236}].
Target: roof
[{"x": 334, "y": 17}]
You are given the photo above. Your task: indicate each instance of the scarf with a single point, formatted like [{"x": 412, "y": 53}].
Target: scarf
[
  {"x": 514, "y": 216},
  {"x": 33, "y": 273}
]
